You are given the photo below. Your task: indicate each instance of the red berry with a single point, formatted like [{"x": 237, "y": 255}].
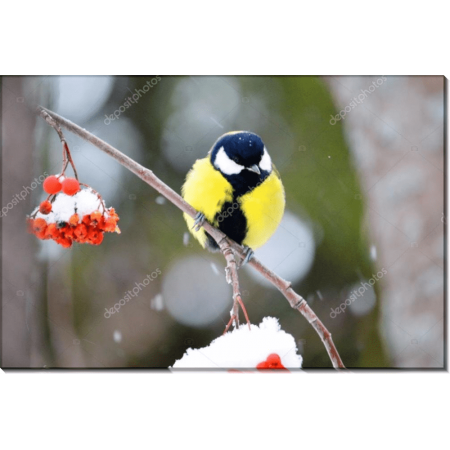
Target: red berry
[
  {"x": 93, "y": 235},
  {"x": 110, "y": 224},
  {"x": 96, "y": 215},
  {"x": 67, "y": 232},
  {"x": 51, "y": 185},
  {"x": 81, "y": 233},
  {"x": 66, "y": 243},
  {"x": 70, "y": 186},
  {"x": 74, "y": 219},
  {"x": 97, "y": 240},
  {"x": 45, "y": 207},
  {"x": 39, "y": 225},
  {"x": 51, "y": 231},
  {"x": 273, "y": 361}
]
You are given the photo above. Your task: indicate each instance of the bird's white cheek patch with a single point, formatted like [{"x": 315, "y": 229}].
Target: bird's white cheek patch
[
  {"x": 266, "y": 162},
  {"x": 226, "y": 165}
]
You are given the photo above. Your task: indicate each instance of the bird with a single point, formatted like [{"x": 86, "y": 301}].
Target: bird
[{"x": 237, "y": 189}]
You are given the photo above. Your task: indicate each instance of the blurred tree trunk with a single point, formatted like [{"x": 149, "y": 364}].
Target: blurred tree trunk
[
  {"x": 23, "y": 324},
  {"x": 396, "y": 136}
]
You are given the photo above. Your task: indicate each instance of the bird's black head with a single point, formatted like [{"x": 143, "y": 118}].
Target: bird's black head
[{"x": 242, "y": 158}]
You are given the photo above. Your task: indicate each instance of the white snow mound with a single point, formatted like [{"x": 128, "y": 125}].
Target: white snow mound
[{"x": 242, "y": 348}]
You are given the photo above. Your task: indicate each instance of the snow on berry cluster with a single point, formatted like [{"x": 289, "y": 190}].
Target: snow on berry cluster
[
  {"x": 265, "y": 346},
  {"x": 72, "y": 216}
]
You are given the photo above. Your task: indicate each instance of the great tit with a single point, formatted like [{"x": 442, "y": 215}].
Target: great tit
[{"x": 237, "y": 189}]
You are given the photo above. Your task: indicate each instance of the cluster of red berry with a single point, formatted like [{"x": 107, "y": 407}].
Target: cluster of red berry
[
  {"x": 273, "y": 361},
  {"x": 87, "y": 231},
  {"x": 71, "y": 214}
]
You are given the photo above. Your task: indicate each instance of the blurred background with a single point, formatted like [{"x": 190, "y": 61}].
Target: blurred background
[{"x": 362, "y": 162}]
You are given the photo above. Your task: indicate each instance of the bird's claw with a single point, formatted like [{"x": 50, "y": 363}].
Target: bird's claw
[
  {"x": 199, "y": 219},
  {"x": 249, "y": 253}
]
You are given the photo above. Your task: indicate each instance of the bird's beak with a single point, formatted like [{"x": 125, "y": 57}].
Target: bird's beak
[{"x": 255, "y": 169}]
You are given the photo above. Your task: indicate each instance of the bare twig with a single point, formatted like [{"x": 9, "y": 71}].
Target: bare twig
[
  {"x": 233, "y": 279},
  {"x": 67, "y": 157},
  {"x": 295, "y": 300}
]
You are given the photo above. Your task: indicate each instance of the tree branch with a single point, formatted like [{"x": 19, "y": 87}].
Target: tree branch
[
  {"x": 233, "y": 279},
  {"x": 226, "y": 244}
]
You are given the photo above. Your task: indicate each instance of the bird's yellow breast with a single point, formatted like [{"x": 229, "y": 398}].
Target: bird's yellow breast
[
  {"x": 263, "y": 208},
  {"x": 206, "y": 190}
]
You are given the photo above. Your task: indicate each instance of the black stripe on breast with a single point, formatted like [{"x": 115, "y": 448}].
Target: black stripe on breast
[{"x": 231, "y": 221}]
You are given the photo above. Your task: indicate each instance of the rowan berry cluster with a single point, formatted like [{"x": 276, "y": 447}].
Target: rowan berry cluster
[
  {"x": 72, "y": 212},
  {"x": 84, "y": 229}
]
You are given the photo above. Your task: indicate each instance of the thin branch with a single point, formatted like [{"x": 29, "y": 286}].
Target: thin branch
[
  {"x": 295, "y": 300},
  {"x": 67, "y": 157},
  {"x": 233, "y": 279}
]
